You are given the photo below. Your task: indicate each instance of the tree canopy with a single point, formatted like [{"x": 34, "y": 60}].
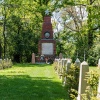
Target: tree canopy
[{"x": 76, "y": 26}]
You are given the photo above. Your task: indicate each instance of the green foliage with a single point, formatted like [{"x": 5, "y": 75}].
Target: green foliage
[
  {"x": 84, "y": 30},
  {"x": 91, "y": 91},
  {"x": 72, "y": 80},
  {"x": 65, "y": 43},
  {"x": 93, "y": 82},
  {"x": 93, "y": 29},
  {"x": 23, "y": 19},
  {"x": 23, "y": 24},
  {"x": 94, "y": 52}
]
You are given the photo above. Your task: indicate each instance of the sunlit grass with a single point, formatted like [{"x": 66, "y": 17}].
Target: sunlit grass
[
  {"x": 94, "y": 68},
  {"x": 31, "y": 82}
]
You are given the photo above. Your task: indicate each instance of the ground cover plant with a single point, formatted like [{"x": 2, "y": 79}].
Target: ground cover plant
[{"x": 31, "y": 82}]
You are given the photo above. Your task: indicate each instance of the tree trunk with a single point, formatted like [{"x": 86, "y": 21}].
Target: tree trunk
[{"x": 90, "y": 32}]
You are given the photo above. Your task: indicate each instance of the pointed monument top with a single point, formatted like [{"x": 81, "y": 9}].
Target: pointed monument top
[{"x": 47, "y": 12}]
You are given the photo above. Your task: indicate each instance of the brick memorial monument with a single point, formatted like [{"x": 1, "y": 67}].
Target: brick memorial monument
[{"x": 47, "y": 45}]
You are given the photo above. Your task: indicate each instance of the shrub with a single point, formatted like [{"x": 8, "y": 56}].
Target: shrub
[
  {"x": 72, "y": 80},
  {"x": 91, "y": 91},
  {"x": 6, "y": 63}
]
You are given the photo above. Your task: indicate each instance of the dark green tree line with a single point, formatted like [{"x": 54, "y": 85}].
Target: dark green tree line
[
  {"x": 81, "y": 19},
  {"x": 22, "y": 23},
  {"x": 21, "y": 28}
]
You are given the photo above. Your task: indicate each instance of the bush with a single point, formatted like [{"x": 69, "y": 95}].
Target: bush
[
  {"x": 91, "y": 91},
  {"x": 72, "y": 81},
  {"x": 6, "y": 63}
]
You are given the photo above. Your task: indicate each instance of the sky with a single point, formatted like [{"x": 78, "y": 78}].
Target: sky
[{"x": 56, "y": 17}]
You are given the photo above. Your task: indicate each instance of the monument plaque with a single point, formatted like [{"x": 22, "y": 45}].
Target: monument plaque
[{"x": 47, "y": 48}]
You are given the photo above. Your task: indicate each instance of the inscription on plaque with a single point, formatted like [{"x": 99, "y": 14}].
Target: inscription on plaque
[{"x": 47, "y": 48}]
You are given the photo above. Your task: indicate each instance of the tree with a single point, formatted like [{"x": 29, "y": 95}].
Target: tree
[
  {"x": 23, "y": 25},
  {"x": 82, "y": 19}
]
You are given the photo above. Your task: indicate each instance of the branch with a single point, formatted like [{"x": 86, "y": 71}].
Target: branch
[
  {"x": 92, "y": 2},
  {"x": 81, "y": 4},
  {"x": 71, "y": 28}
]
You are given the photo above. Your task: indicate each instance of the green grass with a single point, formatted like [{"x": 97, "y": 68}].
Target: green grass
[
  {"x": 31, "y": 82},
  {"x": 94, "y": 68}
]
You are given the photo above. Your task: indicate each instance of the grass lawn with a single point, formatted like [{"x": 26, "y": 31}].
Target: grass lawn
[
  {"x": 31, "y": 82},
  {"x": 94, "y": 68}
]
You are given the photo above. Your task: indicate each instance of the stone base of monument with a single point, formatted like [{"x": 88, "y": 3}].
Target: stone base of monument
[{"x": 47, "y": 59}]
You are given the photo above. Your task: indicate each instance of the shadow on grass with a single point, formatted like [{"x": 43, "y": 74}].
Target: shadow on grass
[
  {"x": 23, "y": 87},
  {"x": 29, "y": 65}
]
